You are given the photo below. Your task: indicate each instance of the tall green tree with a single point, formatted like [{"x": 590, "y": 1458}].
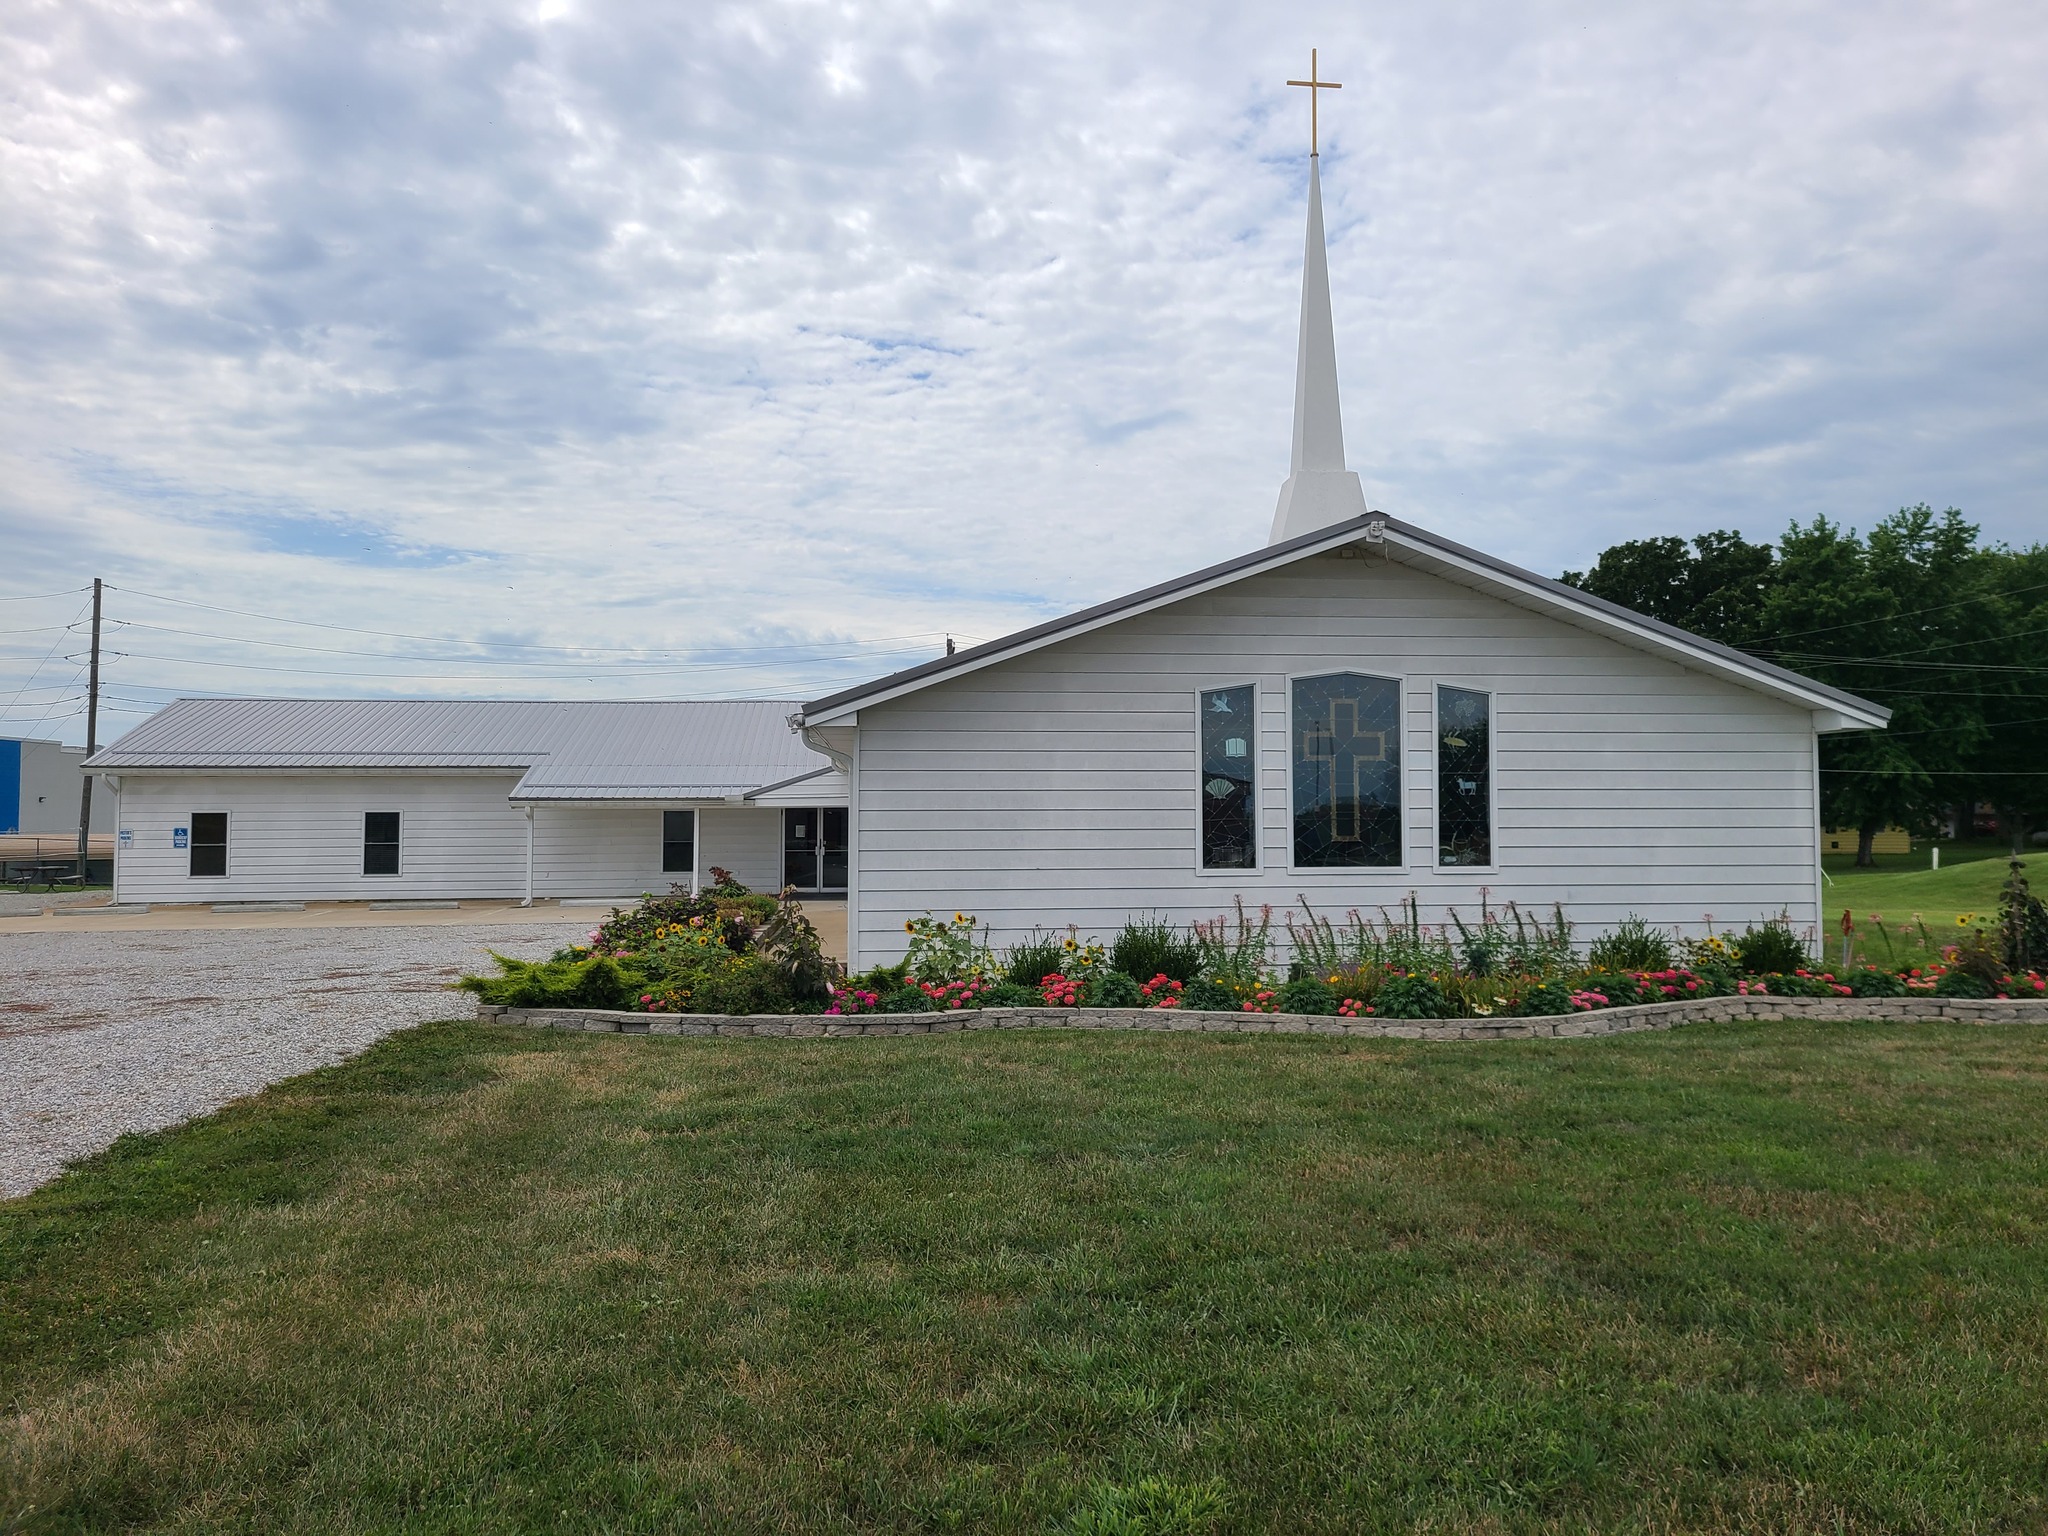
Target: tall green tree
[
  {"x": 1715, "y": 587},
  {"x": 1905, "y": 618},
  {"x": 2012, "y": 761}
]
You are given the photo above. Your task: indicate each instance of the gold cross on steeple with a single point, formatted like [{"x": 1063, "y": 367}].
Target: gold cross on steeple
[{"x": 1314, "y": 85}]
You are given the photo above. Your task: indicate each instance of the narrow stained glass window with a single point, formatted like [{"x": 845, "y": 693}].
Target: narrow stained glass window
[
  {"x": 1347, "y": 771},
  {"x": 1229, "y": 820},
  {"x": 1464, "y": 776}
]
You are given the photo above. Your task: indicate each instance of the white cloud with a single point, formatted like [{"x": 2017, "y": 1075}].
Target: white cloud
[{"x": 752, "y": 326}]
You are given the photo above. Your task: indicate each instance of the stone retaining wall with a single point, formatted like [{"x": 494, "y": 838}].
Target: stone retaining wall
[{"x": 1605, "y": 1021}]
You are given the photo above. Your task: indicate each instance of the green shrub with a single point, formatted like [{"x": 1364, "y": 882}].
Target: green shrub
[
  {"x": 1029, "y": 963},
  {"x": 740, "y": 984},
  {"x": 1111, "y": 988},
  {"x": 1207, "y": 994},
  {"x": 1772, "y": 948},
  {"x": 1543, "y": 998},
  {"x": 903, "y": 999},
  {"x": 1634, "y": 946},
  {"x": 881, "y": 979},
  {"x": 729, "y": 910},
  {"x": 1306, "y": 994},
  {"x": 1153, "y": 947},
  {"x": 1871, "y": 982},
  {"x": 596, "y": 981},
  {"x": 1778, "y": 984},
  {"x": 1008, "y": 994},
  {"x": 1412, "y": 997},
  {"x": 1961, "y": 983}
]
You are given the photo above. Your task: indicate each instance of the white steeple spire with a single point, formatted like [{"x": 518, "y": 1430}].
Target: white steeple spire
[{"x": 1319, "y": 490}]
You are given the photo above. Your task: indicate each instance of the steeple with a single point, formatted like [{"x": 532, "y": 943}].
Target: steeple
[{"x": 1319, "y": 490}]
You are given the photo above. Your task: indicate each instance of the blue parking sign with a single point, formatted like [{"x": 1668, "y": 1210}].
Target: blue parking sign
[{"x": 181, "y": 837}]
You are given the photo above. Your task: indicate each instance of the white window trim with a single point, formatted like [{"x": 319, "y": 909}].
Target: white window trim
[
  {"x": 192, "y": 841},
  {"x": 696, "y": 843},
  {"x": 1492, "y": 867},
  {"x": 1403, "y": 702},
  {"x": 1258, "y": 863},
  {"x": 363, "y": 855}
]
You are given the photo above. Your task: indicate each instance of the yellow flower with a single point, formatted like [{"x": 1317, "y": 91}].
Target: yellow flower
[
  {"x": 958, "y": 918},
  {"x": 1964, "y": 919},
  {"x": 910, "y": 927}
]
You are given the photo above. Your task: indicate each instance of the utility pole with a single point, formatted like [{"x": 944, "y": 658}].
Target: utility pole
[{"x": 92, "y": 739}]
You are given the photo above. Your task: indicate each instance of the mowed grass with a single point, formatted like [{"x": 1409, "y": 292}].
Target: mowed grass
[{"x": 1777, "y": 1278}]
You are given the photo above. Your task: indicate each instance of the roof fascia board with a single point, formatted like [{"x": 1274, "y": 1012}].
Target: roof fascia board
[{"x": 801, "y": 778}]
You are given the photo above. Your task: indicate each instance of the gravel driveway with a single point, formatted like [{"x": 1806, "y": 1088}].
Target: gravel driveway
[{"x": 104, "y": 1033}]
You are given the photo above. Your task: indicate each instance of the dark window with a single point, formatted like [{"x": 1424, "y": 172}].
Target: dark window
[
  {"x": 1229, "y": 822},
  {"x": 832, "y": 848},
  {"x": 380, "y": 842},
  {"x": 1464, "y": 777},
  {"x": 210, "y": 843},
  {"x": 800, "y": 840},
  {"x": 678, "y": 842},
  {"x": 1347, "y": 771}
]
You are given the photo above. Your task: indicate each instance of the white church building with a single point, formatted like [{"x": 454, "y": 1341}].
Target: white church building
[{"x": 1357, "y": 711}]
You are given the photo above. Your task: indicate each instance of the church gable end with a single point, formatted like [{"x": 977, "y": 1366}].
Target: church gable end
[{"x": 1069, "y": 783}]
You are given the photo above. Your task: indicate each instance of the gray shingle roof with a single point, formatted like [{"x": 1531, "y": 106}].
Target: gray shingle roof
[{"x": 577, "y": 750}]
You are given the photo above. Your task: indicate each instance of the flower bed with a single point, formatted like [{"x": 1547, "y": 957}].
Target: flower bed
[{"x": 731, "y": 952}]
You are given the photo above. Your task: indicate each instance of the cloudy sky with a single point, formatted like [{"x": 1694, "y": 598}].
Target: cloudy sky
[{"x": 631, "y": 350}]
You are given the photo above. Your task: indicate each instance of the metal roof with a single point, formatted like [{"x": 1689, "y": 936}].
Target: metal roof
[
  {"x": 1447, "y": 558},
  {"x": 577, "y": 750}
]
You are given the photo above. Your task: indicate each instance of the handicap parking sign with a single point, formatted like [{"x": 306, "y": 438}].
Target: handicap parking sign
[
  {"x": 127, "y": 836},
  {"x": 181, "y": 837}
]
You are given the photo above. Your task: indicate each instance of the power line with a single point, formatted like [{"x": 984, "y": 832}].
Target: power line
[
  {"x": 36, "y": 597},
  {"x": 1910, "y": 613}
]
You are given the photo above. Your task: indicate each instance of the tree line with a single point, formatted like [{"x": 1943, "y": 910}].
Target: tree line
[{"x": 1919, "y": 615}]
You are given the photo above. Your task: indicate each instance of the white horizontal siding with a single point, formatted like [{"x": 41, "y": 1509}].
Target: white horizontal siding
[
  {"x": 744, "y": 839},
  {"x": 296, "y": 838},
  {"x": 299, "y": 838},
  {"x": 1060, "y": 787}
]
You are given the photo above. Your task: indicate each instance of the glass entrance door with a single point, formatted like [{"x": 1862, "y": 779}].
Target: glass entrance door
[{"x": 814, "y": 848}]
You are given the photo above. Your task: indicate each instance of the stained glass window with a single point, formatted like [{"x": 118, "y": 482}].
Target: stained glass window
[
  {"x": 1464, "y": 777},
  {"x": 1229, "y": 820},
  {"x": 1347, "y": 771}
]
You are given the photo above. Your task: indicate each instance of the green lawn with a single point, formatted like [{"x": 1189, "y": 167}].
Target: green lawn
[
  {"x": 1903, "y": 887},
  {"x": 1776, "y": 1278}
]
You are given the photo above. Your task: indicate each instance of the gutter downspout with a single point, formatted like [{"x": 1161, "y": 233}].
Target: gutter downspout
[
  {"x": 529, "y": 858},
  {"x": 837, "y": 758}
]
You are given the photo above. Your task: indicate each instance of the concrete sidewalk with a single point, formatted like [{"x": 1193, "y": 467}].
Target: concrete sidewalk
[{"x": 830, "y": 918}]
